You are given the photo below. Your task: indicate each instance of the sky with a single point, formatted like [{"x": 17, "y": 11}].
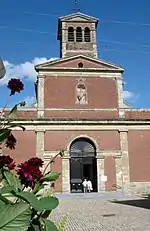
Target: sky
[{"x": 28, "y": 36}]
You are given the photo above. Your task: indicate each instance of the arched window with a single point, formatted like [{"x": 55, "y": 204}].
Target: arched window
[
  {"x": 87, "y": 37},
  {"x": 78, "y": 34},
  {"x": 70, "y": 34},
  {"x": 82, "y": 147}
]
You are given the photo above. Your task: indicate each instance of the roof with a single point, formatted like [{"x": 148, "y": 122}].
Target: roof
[
  {"x": 51, "y": 64},
  {"x": 78, "y": 15},
  {"x": 75, "y": 17}
]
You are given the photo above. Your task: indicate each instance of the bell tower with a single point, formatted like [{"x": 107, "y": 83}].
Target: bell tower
[{"x": 77, "y": 35}]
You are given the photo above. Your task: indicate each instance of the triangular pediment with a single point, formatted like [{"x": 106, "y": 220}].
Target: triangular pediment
[
  {"x": 74, "y": 61},
  {"x": 78, "y": 17}
]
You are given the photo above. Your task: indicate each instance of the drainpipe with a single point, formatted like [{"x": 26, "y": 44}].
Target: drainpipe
[{"x": 2, "y": 69}]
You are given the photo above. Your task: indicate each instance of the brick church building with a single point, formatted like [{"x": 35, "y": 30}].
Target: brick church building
[{"x": 80, "y": 109}]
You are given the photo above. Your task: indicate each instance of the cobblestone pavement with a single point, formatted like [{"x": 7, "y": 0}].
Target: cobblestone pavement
[{"x": 96, "y": 213}]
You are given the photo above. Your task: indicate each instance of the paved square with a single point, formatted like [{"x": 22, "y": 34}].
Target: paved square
[{"x": 96, "y": 213}]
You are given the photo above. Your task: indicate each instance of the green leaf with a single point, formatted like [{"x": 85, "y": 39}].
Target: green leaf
[
  {"x": 34, "y": 228},
  {"x": 6, "y": 189},
  {"x": 52, "y": 176},
  {"x": 12, "y": 180},
  {"x": 49, "y": 225},
  {"x": 46, "y": 214},
  {"x": 4, "y": 134},
  {"x": 3, "y": 201},
  {"x": 13, "y": 111},
  {"x": 45, "y": 203},
  {"x": 48, "y": 203},
  {"x": 4, "y": 130},
  {"x": 15, "y": 217},
  {"x": 30, "y": 198},
  {"x": 38, "y": 186}
]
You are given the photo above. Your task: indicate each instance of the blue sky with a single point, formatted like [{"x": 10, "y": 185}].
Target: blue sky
[{"x": 122, "y": 38}]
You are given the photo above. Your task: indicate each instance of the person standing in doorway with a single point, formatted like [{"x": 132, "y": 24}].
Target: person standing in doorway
[
  {"x": 89, "y": 186},
  {"x": 85, "y": 185}
]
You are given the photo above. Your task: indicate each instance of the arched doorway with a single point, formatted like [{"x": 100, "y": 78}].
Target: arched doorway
[{"x": 82, "y": 164}]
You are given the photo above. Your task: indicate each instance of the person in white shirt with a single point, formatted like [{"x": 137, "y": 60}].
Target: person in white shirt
[
  {"x": 89, "y": 185},
  {"x": 85, "y": 185}
]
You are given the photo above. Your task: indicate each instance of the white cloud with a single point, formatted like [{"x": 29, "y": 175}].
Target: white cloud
[
  {"x": 22, "y": 70},
  {"x": 30, "y": 100},
  {"x": 130, "y": 96}
]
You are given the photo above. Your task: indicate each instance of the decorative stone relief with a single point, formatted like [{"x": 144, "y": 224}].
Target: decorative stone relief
[{"x": 81, "y": 92}]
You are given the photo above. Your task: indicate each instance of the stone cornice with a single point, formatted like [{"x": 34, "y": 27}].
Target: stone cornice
[
  {"x": 21, "y": 109},
  {"x": 137, "y": 109},
  {"x": 68, "y": 69},
  {"x": 77, "y": 121},
  {"x": 81, "y": 109}
]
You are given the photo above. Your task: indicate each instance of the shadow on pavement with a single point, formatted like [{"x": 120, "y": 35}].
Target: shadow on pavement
[{"x": 142, "y": 203}]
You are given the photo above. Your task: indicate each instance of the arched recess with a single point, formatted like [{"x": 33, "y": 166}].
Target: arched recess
[
  {"x": 87, "y": 35},
  {"x": 79, "y": 34},
  {"x": 70, "y": 34},
  {"x": 82, "y": 164}
]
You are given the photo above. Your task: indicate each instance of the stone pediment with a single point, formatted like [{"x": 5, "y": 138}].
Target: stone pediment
[
  {"x": 79, "y": 62},
  {"x": 78, "y": 17}
]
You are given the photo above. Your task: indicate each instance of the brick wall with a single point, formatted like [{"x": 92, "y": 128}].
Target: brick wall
[
  {"x": 82, "y": 114},
  {"x": 60, "y": 92},
  {"x": 57, "y": 140},
  {"x": 74, "y": 63},
  {"x": 25, "y": 114},
  {"x": 137, "y": 114},
  {"x": 57, "y": 167},
  {"x": 139, "y": 155},
  {"x": 25, "y": 147}
]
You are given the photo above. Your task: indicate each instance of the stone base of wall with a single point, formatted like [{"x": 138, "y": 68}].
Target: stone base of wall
[{"x": 137, "y": 188}]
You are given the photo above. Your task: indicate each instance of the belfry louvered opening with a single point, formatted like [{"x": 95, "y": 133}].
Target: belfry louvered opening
[
  {"x": 70, "y": 34},
  {"x": 79, "y": 34}
]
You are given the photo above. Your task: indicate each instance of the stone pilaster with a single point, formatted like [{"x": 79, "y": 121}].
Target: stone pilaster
[
  {"x": 66, "y": 174},
  {"x": 122, "y": 163},
  {"x": 93, "y": 38},
  {"x": 40, "y": 144},
  {"x": 119, "y": 179},
  {"x": 46, "y": 161},
  {"x": 64, "y": 39},
  {"x": 120, "y": 97},
  {"x": 40, "y": 104},
  {"x": 100, "y": 172},
  {"x": 125, "y": 156}
]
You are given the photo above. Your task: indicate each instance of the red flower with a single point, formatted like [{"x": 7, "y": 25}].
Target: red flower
[
  {"x": 11, "y": 141},
  {"x": 29, "y": 172},
  {"x": 15, "y": 85},
  {"x": 11, "y": 166},
  {"x": 7, "y": 161},
  {"x": 35, "y": 161}
]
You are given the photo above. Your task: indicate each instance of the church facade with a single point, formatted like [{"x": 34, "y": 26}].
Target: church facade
[{"x": 80, "y": 109}]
